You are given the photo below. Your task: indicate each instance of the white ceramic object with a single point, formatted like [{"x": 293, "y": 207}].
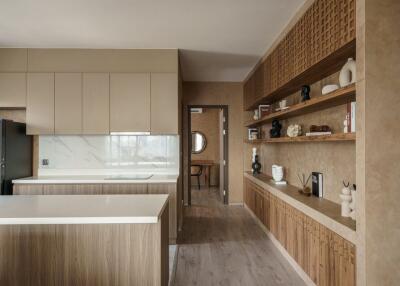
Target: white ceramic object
[
  {"x": 329, "y": 88},
  {"x": 345, "y": 196},
  {"x": 277, "y": 173},
  {"x": 256, "y": 114},
  {"x": 294, "y": 130},
  {"x": 253, "y": 157},
  {"x": 348, "y": 73},
  {"x": 353, "y": 205},
  {"x": 282, "y": 104}
]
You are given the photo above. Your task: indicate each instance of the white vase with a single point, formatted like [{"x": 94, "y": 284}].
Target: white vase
[
  {"x": 277, "y": 173},
  {"x": 348, "y": 73}
]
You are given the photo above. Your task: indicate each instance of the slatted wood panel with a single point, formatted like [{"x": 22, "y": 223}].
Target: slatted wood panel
[
  {"x": 325, "y": 28},
  {"x": 326, "y": 257}
]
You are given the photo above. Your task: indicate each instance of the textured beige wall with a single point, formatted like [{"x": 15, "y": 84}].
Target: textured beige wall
[
  {"x": 336, "y": 160},
  {"x": 378, "y": 151},
  {"x": 208, "y": 124},
  {"x": 220, "y": 93}
]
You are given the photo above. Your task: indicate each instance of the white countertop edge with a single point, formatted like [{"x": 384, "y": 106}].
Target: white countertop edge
[
  {"x": 79, "y": 220},
  {"x": 28, "y": 181},
  {"x": 328, "y": 222}
]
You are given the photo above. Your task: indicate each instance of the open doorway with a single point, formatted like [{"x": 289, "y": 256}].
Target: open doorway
[{"x": 208, "y": 150}]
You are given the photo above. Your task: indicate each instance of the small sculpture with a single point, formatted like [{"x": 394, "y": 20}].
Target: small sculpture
[
  {"x": 353, "y": 203},
  {"x": 256, "y": 115},
  {"x": 329, "y": 88},
  {"x": 294, "y": 130},
  {"x": 305, "y": 190},
  {"x": 347, "y": 74},
  {"x": 275, "y": 131},
  {"x": 305, "y": 93},
  {"x": 277, "y": 173},
  {"x": 256, "y": 166},
  {"x": 345, "y": 196}
]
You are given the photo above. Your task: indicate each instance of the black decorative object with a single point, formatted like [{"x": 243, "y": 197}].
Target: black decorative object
[
  {"x": 275, "y": 131},
  {"x": 305, "y": 93},
  {"x": 256, "y": 166}
]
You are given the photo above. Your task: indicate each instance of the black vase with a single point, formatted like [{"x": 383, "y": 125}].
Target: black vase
[{"x": 256, "y": 166}]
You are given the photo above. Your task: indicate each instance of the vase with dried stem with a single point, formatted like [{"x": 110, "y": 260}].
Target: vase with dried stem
[{"x": 305, "y": 190}]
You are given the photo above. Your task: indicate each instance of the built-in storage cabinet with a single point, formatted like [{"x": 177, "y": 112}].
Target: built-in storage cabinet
[
  {"x": 130, "y": 102},
  {"x": 13, "y": 90},
  {"x": 96, "y": 103},
  {"x": 115, "y": 189},
  {"x": 68, "y": 103},
  {"x": 318, "y": 45},
  {"x": 164, "y": 103},
  {"x": 326, "y": 257},
  {"x": 40, "y": 103}
]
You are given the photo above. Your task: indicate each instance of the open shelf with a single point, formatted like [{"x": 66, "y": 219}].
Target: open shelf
[
  {"x": 320, "y": 138},
  {"x": 329, "y": 65},
  {"x": 335, "y": 98}
]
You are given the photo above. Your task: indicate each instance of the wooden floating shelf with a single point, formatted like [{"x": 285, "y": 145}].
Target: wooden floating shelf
[
  {"x": 327, "y": 66},
  {"x": 320, "y": 138},
  {"x": 335, "y": 98}
]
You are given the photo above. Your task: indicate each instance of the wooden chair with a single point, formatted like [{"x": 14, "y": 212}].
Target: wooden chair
[{"x": 196, "y": 171}]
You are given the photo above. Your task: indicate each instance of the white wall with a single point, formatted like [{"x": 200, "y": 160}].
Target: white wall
[{"x": 108, "y": 154}]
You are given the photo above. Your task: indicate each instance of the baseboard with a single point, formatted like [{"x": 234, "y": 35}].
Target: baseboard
[{"x": 278, "y": 245}]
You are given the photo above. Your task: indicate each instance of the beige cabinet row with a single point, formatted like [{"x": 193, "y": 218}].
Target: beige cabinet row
[
  {"x": 93, "y": 103},
  {"x": 326, "y": 257},
  {"x": 109, "y": 189}
]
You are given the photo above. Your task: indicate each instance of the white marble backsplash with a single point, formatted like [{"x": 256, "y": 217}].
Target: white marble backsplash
[{"x": 100, "y": 154}]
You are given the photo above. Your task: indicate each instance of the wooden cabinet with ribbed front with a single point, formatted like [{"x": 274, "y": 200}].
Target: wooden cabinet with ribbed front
[
  {"x": 316, "y": 46},
  {"x": 326, "y": 257}
]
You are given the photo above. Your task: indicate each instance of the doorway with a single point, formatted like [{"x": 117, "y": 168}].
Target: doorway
[{"x": 208, "y": 150}]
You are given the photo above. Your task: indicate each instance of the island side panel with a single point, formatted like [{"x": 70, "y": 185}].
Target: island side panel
[{"x": 90, "y": 254}]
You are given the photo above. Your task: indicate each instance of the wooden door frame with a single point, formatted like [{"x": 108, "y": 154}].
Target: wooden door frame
[{"x": 225, "y": 109}]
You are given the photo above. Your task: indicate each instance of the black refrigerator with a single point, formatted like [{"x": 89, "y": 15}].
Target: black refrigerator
[{"x": 16, "y": 154}]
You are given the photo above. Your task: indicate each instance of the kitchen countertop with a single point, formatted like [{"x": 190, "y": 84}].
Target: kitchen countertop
[
  {"x": 323, "y": 211},
  {"x": 97, "y": 179},
  {"x": 81, "y": 209}
]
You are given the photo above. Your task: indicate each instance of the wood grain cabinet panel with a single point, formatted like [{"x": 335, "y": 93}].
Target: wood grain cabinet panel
[
  {"x": 12, "y": 90},
  {"x": 68, "y": 103},
  {"x": 122, "y": 189},
  {"x": 28, "y": 190},
  {"x": 40, "y": 103},
  {"x": 72, "y": 189},
  {"x": 171, "y": 190},
  {"x": 164, "y": 103},
  {"x": 130, "y": 102},
  {"x": 96, "y": 103}
]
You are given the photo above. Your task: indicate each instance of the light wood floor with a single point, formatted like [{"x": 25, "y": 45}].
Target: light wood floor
[{"x": 222, "y": 245}]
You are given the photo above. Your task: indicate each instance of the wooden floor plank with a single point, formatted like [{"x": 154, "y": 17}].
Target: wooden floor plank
[{"x": 223, "y": 245}]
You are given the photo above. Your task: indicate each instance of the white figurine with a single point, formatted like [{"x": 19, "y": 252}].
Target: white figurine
[
  {"x": 353, "y": 203},
  {"x": 253, "y": 157},
  {"x": 346, "y": 199}
]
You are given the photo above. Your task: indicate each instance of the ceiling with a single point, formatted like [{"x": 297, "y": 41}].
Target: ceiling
[{"x": 219, "y": 40}]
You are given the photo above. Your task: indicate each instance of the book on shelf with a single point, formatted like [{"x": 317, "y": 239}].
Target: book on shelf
[
  {"x": 318, "y": 133},
  {"x": 317, "y": 184},
  {"x": 351, "y": 116}
]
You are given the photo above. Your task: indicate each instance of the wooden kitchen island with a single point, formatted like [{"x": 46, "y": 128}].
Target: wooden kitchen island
[{"x": 113, "y": 240}]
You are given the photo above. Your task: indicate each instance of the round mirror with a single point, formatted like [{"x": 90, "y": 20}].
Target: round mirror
[{"x": 199, "y": 142}]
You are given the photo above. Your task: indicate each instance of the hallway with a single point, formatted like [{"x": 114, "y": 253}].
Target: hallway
[{"x": 223, "y": 245}]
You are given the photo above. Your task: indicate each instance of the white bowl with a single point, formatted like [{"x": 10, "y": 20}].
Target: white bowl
[{"x": 329, "y": 88}]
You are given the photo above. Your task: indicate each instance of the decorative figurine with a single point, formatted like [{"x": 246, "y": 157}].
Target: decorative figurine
[
  {"x": 277, "y": 175},
  {"x": 305, "y": 93},
  {"x": 305, "y": 190},
  {"x": 294, "y": 130},
  {"x": 347, "y": 74},
  {"x": 256, "y": 166},
  {"x": 345, "y": 196},
  {"x": 353, "y": 203},
  {"x": 256, "y": 115},
  {"x": 275, "y": 131}
]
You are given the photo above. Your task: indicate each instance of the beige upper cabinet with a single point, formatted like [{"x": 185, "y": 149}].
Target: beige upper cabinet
[
  {"x": 164, "y": 103},
  {"x": 68, "y": 103},
  {"x": 129, "y": 102},
  {"x": 40, "y": 103},
  {"x": 96, "y": 103},
  {"x": 12, "y": 90}
]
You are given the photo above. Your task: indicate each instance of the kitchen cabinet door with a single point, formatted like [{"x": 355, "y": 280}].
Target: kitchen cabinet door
[
  {"x": 40, "y": 103},
  {"x": 96, "y": 103},
  {"x": 27, "y": 190},
  {"x": 130, "y": 102},
  {"x": 68, "y": 103},
  {"x": 72, "y": 189},
  {"x": 164, "y": 103},
  {"x": 12, "y": 90},
  {"x": 124, "y": 189},
  {"x": 171, "y": 190}
]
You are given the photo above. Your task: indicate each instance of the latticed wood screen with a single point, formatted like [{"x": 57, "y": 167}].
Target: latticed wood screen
[{"x": 325, "y": 27}]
